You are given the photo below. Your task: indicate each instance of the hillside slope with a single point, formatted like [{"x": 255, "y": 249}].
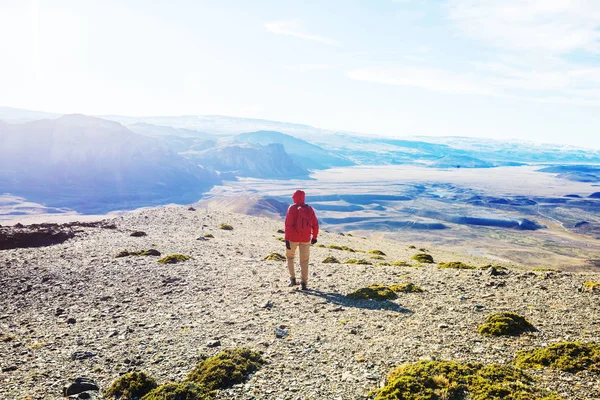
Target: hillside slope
[{"x": 74, "y": 309}]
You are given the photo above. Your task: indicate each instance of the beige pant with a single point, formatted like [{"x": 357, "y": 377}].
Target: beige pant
[{"x": 304, "y": 256}]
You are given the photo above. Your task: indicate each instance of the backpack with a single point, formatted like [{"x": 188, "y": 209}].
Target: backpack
[{"x": 304, "y": 220}]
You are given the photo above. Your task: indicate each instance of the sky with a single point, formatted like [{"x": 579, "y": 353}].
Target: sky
[{"x": 501, "y": 69}]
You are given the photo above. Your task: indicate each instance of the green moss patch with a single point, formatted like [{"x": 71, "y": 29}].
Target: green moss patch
[
  {"x": 275, "y": 257},
  {"x": 320, "y": 245},
  {"x": 545, "y": 270},
  {"x": 412, "y": 247},
  {"x": 226, "y": 227},
  {"x": 178, "y": 391},
  {"x": 591, "y": 286},
  {"x": 407, "y": 287},
  {"x": 209, "y": 235},
  {"x": 455, "y": 265},
  {"x": 344, "y": 248},
  {"x": 505, "y": 324},
  {"x": 423, "y": 258},
  {"x": 131, "y": 386},
  {"x": 373, "y": 292},
  {"x": 376, "y": 252},
  {"x": 563, "y": 356},
  {"x": 400, "y": 264},
  {"x": 330, "y": 260},
  {"x": 126, "y": 253},
  {"x": 448, "y": 380},
  {"x": 377, "y": 258},
  {"x": 384, "y": 264},
  {"x": 280, "y": 238},
  {"x": 173, "y": 259},
  {"x": 357, "y": 261},
  {"x": 226, "y": 369}
]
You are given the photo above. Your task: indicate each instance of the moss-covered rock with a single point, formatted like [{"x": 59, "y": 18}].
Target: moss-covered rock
[
  {"x": 505, "y": 324},
  {"x": 344, "y": 248},
  {"x": 455, "y": 265},
  {"x": 407, "y": 287},
  {"x": 373, "y": 292},
  {"x": 357, "y": 261},
  {"x": 412, "y": 247},
  {"x": 173, "y": 259},
  {"x": 280, "y": 231},
  {"x": 384, "y": 264},
  {"x": 563, "y": 356},
  {"x": 591, "y": 287},
  {"x": 377, "y": 258},
  {"x": 179, "y": 391},
  {"x": 330, "y": 260},
  {"x": 275, "y": 257},
  {"x": 131, "y": 386},
  {"x": 423, "y": 258},
  {"x": 226, "y": 227},
  {"x": 376, "y": 252},
  {"x": 280, "y": 238},
  {"x": 320, "y": 245},
  {"x": 209, "y": 235},
  {"x": 400, "y": 264},
  {"x": 448, "y": 380},
  {"x": 226, "y": 369}
]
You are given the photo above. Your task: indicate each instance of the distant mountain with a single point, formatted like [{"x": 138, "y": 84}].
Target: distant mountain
[
  {"x": 93, "y": 165},
  {"x": 577, "y": 173},
  {"x": 306, "y": 154},
  {"x": 178, "y": 139},
  {"x": 270, "y": 161}
]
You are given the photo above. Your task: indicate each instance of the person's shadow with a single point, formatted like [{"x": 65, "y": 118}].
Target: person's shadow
[{"x": 341, "y": 300}]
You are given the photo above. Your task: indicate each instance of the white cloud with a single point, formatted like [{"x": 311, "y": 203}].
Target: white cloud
[
  {"x": 291, "y": 28},
  {"x": 546, "y": 26},
  {"x": 432, "y": 79}
]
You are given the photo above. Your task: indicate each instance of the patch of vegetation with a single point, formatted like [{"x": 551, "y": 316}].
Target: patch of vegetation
[
  {"x": 377, "y": 252},
  {"x": 423, "y": 250},
  {"x": 423, "y": 258},
  {"x": 280, "y": 231},
  {"x": 505, "y": 324},
  {"x": 411, "y": 247},
  {"x": 407, "y": 287},
  {"x": 336, "y": 247},
  {"x": 563, "y": 356},
  {"x": 226, "y": 227},
  {"x": 373, "y": 292},
  {"x": 275, "y": 257},
  {"x": 173, "y": 258},
  {"x": 384, "y": 264},
  {"x": 455, "y": 265},
  {"x": 178, "y": 391},
  {"x": 545, "y": 270},
  {"x": 131, "y": 386},
  {"x": 357, "y": 261},
  {"x": 400, "y": 264},
  {"x": 280, "y": 238},
  {"x": 359, "y": 251},
  {"x": 209, "y": 235},
  {"x": 377, "y": 258},
  {"x": 126, "y": 253},
  {"x": 349, "y": 234},
  {"x": 449, "y": 380},
  {"x": 330, "y": 260},
  {"x": 226, "y": 369},
  {"x": 591, "y": 286},
  {"x": 320, "y": 245}
]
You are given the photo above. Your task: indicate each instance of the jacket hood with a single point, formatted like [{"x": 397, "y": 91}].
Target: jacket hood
[{"x": 299, "y": 196}]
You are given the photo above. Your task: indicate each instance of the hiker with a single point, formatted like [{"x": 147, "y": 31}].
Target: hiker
[{"x": 300, "y": 224}]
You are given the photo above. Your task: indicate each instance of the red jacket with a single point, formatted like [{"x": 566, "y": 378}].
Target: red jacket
[{"x": 293, "y": 232}]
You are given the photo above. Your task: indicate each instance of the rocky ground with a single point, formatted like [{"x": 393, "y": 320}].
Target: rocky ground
[{"x": 73, "y": 309}]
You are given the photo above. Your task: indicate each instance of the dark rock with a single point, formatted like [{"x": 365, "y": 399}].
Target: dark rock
[
  {"x": 59, "y": 311},
  {"x": 10, "y": 368},
  {"x": 71, "y": 321},
  {"x": 138, "y": 234},
  {"x": 213, "y": 343},
  {"x": 82, "y": 355},
  {"x": 493, "y": 271},
  {"x": 25, "y": 237},
  {"x": 151, "y": 252},
  {"x": 80, "y": 386},
  {"x": 191, "y": 208}
]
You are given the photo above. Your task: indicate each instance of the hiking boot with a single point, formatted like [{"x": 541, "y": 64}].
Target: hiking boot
[
  {"x": 303, "y": 285},
  {"x": 292, "y": 282}
]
